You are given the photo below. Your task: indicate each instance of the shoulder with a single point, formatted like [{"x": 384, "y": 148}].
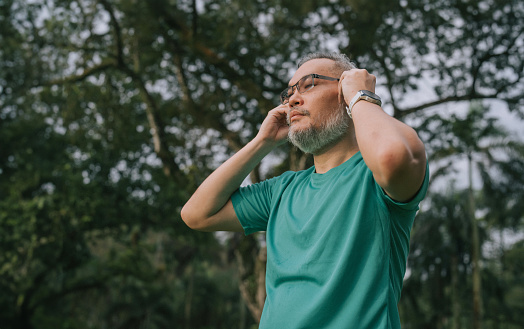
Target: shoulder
[
  {"x": 289, "y": 176},
  {"x": 279, "y": 182}
]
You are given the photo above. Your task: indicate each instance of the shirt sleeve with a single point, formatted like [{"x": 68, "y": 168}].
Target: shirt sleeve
[{"x": 252, "y": 205}]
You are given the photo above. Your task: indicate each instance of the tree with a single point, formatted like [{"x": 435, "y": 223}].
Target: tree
[
  {"x": 487, "y": 149},
  {"x": 88, "y": 236},
  {"x": 143, "y": 99},
  {"x": 436, "y": 289}
]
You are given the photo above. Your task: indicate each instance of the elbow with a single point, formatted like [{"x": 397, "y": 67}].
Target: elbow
[
  {"x": 400, "y": 160},
  {"x": 400, "y": 167},
  {"x": 188, "y": 217},
  {"x": 193, "y": 219}
]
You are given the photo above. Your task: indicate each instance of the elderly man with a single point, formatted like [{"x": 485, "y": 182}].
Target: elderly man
[{"x": 338, "y": 232}]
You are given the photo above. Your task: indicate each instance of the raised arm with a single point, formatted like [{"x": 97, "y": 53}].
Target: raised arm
[
  {"x": 391, "y": 149},
  {"x": 210, "y": 207}
]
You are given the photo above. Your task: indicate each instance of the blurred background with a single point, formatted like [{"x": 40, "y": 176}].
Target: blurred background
[{"x": 112, "y": 112}]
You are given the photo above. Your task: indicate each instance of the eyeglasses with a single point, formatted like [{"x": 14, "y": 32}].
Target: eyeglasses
[{"x": 304, "y": 84}]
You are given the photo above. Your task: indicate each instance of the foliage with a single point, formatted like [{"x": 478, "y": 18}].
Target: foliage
[
  {"x": 113, "y": 111},
  {"x": 437, "y": 291}
]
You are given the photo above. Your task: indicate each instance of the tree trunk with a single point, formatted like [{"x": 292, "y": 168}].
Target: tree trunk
[
  {"x": 242, "y": 312},
  {"x": 189, "y": 296},
  {"x": 251, "y": 259},
  {"x": 475, "y": 252},
  {"x": 456, "y": 305},
  {"x": 455, "y": 300},
  {"x": 297, "y": 159}
]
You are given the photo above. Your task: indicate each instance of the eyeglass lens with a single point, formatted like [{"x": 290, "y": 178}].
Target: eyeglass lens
[{"x": 302, "y": 86}]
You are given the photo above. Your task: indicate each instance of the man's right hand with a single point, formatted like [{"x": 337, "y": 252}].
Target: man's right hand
[{"x": 274, "y": 129}]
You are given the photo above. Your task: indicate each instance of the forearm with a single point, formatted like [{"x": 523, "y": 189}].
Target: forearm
[
  {"x": 210, "y": 208},
  {"x": 218, "y": 187}
]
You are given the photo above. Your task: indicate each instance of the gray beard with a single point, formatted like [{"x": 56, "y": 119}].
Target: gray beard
[{"x": 315, "y": 140}]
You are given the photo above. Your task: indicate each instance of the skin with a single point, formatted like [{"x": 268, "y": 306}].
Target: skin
[{"x": 392, "y": 150}]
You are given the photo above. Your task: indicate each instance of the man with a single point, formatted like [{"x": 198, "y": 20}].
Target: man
[{"x": 338, "y": 232}]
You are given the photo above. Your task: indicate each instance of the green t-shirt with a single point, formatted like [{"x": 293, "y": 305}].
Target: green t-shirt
[{"x": 337, "y": 247}]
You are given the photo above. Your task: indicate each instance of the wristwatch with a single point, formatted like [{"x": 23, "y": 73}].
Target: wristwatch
[{"x": 363, "y": 95}]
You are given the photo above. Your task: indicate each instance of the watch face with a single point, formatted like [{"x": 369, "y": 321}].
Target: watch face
[{"x": 370, "y": 94}]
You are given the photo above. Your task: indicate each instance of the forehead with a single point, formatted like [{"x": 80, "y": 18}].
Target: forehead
[{"x": 322, "y": 66}]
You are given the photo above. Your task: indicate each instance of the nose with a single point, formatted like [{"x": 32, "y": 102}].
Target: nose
[{"x": 295, "y": 99}]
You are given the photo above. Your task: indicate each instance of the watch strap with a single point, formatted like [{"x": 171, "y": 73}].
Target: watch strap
[{"x": 365, "y": 95}]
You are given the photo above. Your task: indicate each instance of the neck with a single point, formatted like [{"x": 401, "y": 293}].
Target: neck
[{"x": 336, "y": 154}]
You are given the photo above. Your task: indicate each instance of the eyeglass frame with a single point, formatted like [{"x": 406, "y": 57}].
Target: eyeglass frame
[{"x": 296, "y": 86}]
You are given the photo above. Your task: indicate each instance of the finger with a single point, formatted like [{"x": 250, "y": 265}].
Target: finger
[
  {"x": 279, "y": 113},
  {"x": 347, "y": 85},
  {"x": 279, "y": 110},
  {"x": 341, "y": 98}
]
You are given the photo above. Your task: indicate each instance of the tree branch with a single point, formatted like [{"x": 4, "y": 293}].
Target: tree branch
[
  {"x": 410, "y": 110},
  {"x": 489, "y": 55},
  {"x": 107, "y": 63},
  {"x": 118, "y": 32},
  {"x": 207, "y": 120},
  {"x": 389, "y": 84}
]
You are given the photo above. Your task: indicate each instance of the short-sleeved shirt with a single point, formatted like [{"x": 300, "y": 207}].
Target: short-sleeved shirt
[{"x": 337, "y": 246}]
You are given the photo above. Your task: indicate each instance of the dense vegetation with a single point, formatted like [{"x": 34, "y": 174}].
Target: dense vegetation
[{"x": 113, "y": 111}]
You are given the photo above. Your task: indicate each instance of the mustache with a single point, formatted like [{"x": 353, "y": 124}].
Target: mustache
[{"x": 303, "y": 112}]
